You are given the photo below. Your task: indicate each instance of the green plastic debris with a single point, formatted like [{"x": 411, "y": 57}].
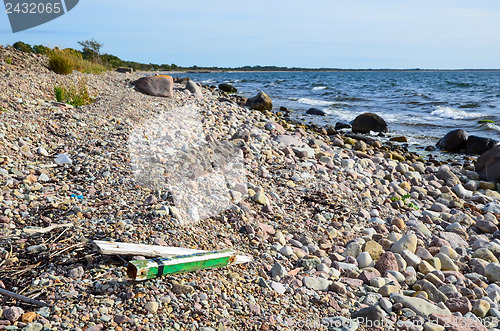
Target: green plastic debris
[{"x": 157, "y": 267}]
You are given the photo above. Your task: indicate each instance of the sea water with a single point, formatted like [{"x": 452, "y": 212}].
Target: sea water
[{"x": 421, "y": 105}]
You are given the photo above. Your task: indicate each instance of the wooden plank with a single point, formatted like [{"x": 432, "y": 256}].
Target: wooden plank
[{"x": 119, "y": 248}]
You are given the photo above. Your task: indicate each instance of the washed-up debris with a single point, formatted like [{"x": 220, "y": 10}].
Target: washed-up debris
[
  {"x": 119, "y": 248},
  {"x": 63, "y": 159},
  {"x": 171, "y": 260},
  {"x": 23, "y": 298},
  {"x": 37, "y": 229},
  {"x": 148, "y": 269}
]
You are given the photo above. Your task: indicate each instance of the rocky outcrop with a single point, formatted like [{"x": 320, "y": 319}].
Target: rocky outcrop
[
  {"x": 367, "y": 122},
  {"x": 315, "y": 111},
  {"x": 260, "y": 102},
  {"x": 453, "y": 141},
  {"x": 479, "y": 145},
  {"x": 159, "y": 86},
  {"x": 227, "y": 88},
  {"x": 488, "y": 165}
]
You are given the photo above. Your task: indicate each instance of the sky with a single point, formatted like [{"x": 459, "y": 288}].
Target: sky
[{"x": 357, "y": 34}]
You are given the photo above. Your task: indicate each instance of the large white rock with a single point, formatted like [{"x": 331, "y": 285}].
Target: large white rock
[
  {"x": 408, "y": 242},
  {"x": 63, "y": 159},
  {"x": 316, "y": 283},
  {"x": 492, "y": 271},
  {"x": 419, "y": 306},
  {"x": 461, "y": 192}
]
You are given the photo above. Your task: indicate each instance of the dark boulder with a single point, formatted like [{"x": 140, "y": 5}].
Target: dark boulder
[
  {"x": 124, "y": 70},
  {"x": 453, "y": 141},
  {"x": 330, "y": 130},
  {"x": 182, "y": 81},
  {"x": 227, "y": 88},
  {"x": 367, "y": 122},
  {"x": 342, "y": 125},
  {"x": 479, "y": 145},
  {"x": 159, "y": 85},
  {"x": 488, "y": 165},
  {"x": 400, "y": 139},
  {"x": 260, "y": 102},
  {"x": 315, "y": 111}
]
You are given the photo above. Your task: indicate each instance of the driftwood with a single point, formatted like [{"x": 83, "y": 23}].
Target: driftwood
[
  {"x": 23, "y": 298},
  {"x": 118, "y": 248},
  {"x": 36, "y": 229}
]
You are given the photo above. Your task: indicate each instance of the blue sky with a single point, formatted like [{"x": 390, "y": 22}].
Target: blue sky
[{"x": 442, "y": 34}]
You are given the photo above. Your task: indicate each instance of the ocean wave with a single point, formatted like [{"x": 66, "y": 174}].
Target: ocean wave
[
  {"x": 319, "y": 88},
  {"x": 345, "y": 98},
  {"x": 453, "y": 113},
  {"x": 314, "y": 102},
  {"x": 209, "y": 81},
  {"x": 493, "y": 127},
  {"x": 459, "y": 84},
  {"x": 470, "y": 105}
]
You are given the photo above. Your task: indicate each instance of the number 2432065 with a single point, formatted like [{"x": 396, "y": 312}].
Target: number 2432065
[{"x": 33, "y": 8}]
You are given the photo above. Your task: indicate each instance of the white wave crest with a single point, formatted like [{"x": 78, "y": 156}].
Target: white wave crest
[
  {"x": 493, "y": 126},
  {"x": 314, "y": 102},
  {"x": 319, "y": 88},
  {"x": 453, "y": 113}
]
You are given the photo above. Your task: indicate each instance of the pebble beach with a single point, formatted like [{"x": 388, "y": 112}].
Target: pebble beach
[{"x": 345, "y": 232}]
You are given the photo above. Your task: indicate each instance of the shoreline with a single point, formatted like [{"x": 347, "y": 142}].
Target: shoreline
[
  {"x": 336, "y": 233},
  {"x": 187, "y": 71},
  {"x": 414, "y": 115}
]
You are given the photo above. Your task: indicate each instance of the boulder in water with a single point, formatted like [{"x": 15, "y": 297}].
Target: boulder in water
[
  {"x": 159, "y": 85},
  {"x": 367, "y": 122},
  {"x": 479, "y": 145},
  {"x": 315, "y": 111},
  {"x": 488, "y": 165},
  {"x": 227, "y": 88},
  {"x": 260, "y": 102},
  {"x": 453, "y": 141}
]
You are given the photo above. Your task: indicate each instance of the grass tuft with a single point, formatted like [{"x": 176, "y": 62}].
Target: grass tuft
[
  {"x": 8, "y": 60},
  {"x": 75, "y": 94}
]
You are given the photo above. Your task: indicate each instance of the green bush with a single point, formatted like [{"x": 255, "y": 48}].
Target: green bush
[
  {"x": 61, "y": 62},
  {"x": 40, "y": 49},
  {"x": 23, "y": 47},
  {"x": 75, "y": 94},
  {"x": 8, "y": 60}
]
